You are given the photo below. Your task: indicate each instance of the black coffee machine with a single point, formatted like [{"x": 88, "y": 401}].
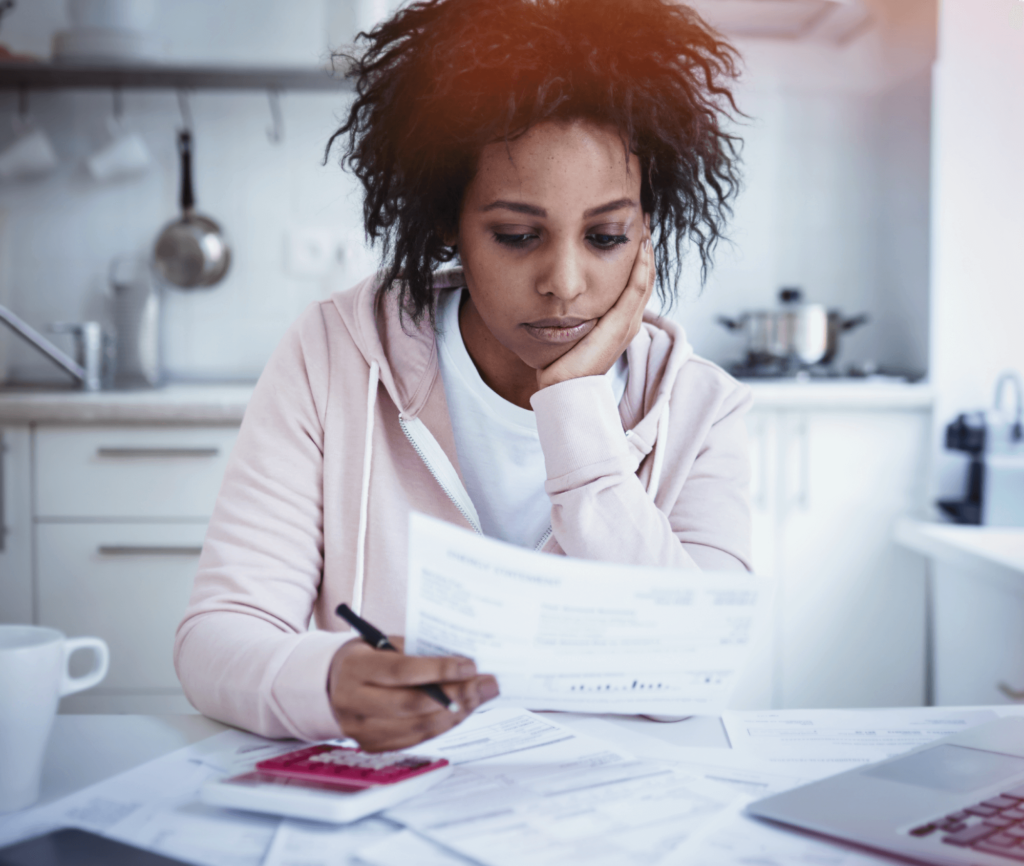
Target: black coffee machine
[{"x": 995, "y": 474}]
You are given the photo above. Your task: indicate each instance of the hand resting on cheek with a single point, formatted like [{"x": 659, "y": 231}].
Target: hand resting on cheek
[{"x": 595, "y": 354}]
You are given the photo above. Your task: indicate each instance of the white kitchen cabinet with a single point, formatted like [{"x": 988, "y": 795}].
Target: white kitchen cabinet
[
  {"x": 977, "y": 609},
  {"x": 120, "y": 517},
  {"x": 127, "y": 583},
  {"x": 978, "y": 627},
  {"x": 828, "y": 485},
  {"x": 15, "y": 525},
  {"x": 144, "y": 473}
]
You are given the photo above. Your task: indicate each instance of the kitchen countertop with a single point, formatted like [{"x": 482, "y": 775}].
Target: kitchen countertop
[
  {"x": 171, "y": 404},
  {"x": 841, "y": 394},
  {"x": 225, "y": 403},
  {"x": 965, "y": 546}
]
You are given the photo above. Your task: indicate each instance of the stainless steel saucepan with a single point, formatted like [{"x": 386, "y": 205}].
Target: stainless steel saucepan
[
  {"x": 191, "y": 252},
  {"x": 795, "y": 333}
]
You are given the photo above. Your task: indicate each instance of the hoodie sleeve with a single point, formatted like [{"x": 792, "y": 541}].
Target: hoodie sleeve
[
  {"x": 601, "y": 510},
  {"x": 243, "y": 651}
]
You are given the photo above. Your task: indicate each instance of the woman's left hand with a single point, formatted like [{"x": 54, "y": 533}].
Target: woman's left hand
[{"x": 595, "y": 354}]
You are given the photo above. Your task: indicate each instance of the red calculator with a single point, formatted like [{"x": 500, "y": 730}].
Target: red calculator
[{"x": 349, "y": 768}]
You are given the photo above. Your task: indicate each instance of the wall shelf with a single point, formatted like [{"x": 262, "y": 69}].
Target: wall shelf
[{"x": 152, "y": 76}]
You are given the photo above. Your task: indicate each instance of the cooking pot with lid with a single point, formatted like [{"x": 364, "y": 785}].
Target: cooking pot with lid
[{"x": 796, "y": 333}]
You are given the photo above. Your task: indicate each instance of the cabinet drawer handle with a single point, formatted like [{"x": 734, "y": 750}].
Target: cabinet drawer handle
[
  {"x": 157, "y": 452},
  {"x": 149, "y": 549},
  {"x": 1010, "y": 692}
]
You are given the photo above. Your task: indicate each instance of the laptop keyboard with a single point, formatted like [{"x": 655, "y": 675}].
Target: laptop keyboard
[{"x": 995, "y": 826}]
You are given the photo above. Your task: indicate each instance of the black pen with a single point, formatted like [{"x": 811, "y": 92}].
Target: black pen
[{"x": 377, "y": 640}]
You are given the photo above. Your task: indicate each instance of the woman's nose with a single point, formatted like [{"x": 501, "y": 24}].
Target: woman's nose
[{"x": 563, "y": 275}]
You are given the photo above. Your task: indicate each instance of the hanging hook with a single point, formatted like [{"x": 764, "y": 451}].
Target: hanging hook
[
  {"x": 275, "y": 132},
  {"x": 118, "y": 104},
  {"x": 186, "y": 110}
]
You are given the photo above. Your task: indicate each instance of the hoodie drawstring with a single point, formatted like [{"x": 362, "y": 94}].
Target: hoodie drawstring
[
  {"x": 659, "y": 453},
  {"x": 364, "y": 492}
]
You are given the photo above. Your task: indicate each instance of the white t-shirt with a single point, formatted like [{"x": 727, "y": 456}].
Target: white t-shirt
[{"x": 497, "y": 443}]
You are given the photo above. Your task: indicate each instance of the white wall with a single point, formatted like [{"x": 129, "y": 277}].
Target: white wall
[
  {"x": 978, "y": 215},
  {"x": 837, "y": 189}
]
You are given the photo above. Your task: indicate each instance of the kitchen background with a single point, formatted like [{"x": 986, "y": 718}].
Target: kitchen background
[
  {"x": 882, "y": 176},
  {"x": 836, "y": 201}
]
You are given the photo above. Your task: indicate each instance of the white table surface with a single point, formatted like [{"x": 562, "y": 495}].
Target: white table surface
[{"x": 84, "y": 749}]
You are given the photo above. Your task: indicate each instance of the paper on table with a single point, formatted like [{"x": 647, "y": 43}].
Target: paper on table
[
  {"x": 529, "y": 790},
  {"x": 745, "y": 841},
  {"x": 308, "y": 843},
  {"x": 154, "y": 806},
  {"x": 836, "y": 740},
  {"x": 408, "y": 848},
  {"x": 571, "y": 634}
]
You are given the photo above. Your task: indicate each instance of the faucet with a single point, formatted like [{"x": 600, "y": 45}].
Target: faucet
[{"x": 87, "y": 370}]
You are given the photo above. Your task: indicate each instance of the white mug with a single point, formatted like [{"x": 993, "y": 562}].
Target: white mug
[
  {"x": 29, "y": 155},
  {"x": 33, "y": 678},
  {"x": 124, "y": 155}
]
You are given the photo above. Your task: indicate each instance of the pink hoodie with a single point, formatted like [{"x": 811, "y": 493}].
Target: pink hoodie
[{"x": 348, "y": 431}]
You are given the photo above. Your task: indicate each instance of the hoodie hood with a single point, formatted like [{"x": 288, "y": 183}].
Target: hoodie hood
[{"x": 406, "y": 354}]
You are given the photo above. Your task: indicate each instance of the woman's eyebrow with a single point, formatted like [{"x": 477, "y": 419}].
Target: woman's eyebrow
[
  {"x": 518, "y": 207},
  {"x": 618, "y": 204},
  {"x": 533, "y": 210}
]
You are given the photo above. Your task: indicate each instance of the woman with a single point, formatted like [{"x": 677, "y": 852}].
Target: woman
[{"x": 562, "y": 151}]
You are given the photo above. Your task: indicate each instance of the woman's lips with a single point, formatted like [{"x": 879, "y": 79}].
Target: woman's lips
[{"x": 555, "y": 331}]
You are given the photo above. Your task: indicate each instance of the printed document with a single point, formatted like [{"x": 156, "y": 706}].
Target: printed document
[
  {"x": 576, "y": 635},
  {"x": 830, "y": 741},
  {"x": 527, "y": 789}
]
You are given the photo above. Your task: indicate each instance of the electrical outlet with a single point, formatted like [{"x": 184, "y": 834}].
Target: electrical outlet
[{"x": 311, "y": 251}]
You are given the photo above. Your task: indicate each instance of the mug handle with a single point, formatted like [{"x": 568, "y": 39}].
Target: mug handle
[{"x": 69, "y": 684}]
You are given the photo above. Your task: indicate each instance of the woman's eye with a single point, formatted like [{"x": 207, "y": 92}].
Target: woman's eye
[
  {"x": 516, "y": 240},
  {"x": 607, "y": 242}
]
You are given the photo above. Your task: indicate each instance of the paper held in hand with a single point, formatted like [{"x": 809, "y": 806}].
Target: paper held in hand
[{"x": 576, "y": 635}]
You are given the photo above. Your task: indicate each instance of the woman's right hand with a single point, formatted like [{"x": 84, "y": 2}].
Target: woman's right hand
[{"x": 375, "y": 700}]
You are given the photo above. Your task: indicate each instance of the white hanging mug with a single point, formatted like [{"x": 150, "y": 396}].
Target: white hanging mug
[
  {"x": 30, "y": 154},
  {"x": 124, "y": 155},
  {"x": 33, "y": 678}
]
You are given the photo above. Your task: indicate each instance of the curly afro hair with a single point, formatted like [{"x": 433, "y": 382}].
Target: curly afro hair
[{"x": 442, "y": 78}]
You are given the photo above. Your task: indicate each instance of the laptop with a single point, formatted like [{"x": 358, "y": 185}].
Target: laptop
[{"x": 959, "y": 800}]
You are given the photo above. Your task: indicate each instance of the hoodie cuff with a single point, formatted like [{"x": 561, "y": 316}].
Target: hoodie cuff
[
  {"x": 580, "y": 431},
  {"x": 300, "y": 686}
]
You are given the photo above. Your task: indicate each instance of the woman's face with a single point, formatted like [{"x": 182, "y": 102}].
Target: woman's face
[{"x": 548, "y": 232}]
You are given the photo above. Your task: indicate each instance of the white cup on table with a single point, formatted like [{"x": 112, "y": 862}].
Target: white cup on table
[{"x": 33, "y": 678}]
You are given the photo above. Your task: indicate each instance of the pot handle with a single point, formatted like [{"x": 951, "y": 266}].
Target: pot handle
[
  {"x": 188, "y": 200},
  {"x": 731, "y": 324},
  {"x": 855, "y": 322}
]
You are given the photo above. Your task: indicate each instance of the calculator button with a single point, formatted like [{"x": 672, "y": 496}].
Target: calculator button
[{"x": 998, "y": 821}]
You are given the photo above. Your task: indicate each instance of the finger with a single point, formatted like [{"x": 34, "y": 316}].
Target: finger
[
  {"x": 383, "y": 734},
  {"x": 383, "y": 668},
  {"x": 408, "y": 702}
]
